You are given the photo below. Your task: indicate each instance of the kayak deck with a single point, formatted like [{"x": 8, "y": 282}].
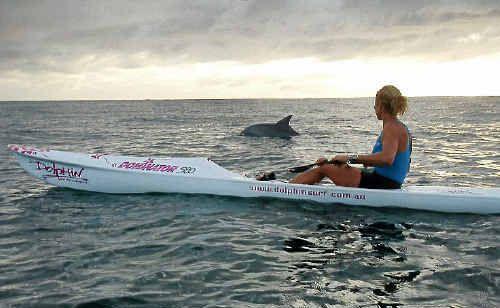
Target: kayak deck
[{"x": 125, "y": 174}]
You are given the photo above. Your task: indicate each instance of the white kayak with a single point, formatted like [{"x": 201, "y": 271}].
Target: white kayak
[{"x": 125, "y": 174}]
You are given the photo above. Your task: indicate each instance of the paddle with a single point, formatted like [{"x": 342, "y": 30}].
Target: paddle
[
  {"x": 306, "y": 167},
  {"x": 268, "y": 176}
]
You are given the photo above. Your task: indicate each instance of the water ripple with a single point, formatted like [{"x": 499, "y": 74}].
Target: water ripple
[{"x": 70, "y": 248}]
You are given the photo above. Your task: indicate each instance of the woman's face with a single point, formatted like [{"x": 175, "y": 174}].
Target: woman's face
[{"x": 378, "y": 108}]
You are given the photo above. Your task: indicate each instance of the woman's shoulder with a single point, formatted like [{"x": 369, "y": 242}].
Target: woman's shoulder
[
  {"x": 395, "y": 128},
  {"x": 394, "y": 125}
]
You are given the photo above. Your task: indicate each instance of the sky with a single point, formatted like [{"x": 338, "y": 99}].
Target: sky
[{"x": 57, "y": 50}]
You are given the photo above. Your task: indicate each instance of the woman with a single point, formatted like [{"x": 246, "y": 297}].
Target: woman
[{"x": 390, "y": 155}]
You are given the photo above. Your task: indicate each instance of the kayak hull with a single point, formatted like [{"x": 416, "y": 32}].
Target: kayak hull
[{"x": 122, "y": 174}]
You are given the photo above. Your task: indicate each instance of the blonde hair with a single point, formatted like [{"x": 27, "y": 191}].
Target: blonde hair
[{"x": 392, "y": 100}]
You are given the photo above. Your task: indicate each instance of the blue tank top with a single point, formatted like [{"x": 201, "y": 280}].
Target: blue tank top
[{"x": 401, "y": 165}]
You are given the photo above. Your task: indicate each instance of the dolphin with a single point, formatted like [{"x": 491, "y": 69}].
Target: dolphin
[{"x": 279, "y": 129}]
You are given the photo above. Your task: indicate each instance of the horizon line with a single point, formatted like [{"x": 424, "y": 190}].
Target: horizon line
[{"x": 231, "y": 98}]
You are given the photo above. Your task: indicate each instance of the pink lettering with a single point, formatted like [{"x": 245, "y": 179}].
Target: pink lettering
[
  {"x": 97, "y": 156},
  {"x": 172, "y": 168},
  {"x": 124, "y": 165},
  {"x": 148, "y": 165}
]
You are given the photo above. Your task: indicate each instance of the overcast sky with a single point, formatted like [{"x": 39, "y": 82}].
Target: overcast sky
[{"x": 223, "y": 49}]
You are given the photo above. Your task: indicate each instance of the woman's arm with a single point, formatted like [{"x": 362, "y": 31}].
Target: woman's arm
[{"x": 390, "y": 143}]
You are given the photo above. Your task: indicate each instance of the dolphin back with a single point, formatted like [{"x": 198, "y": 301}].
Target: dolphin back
[{"x": 279, "y": 129}]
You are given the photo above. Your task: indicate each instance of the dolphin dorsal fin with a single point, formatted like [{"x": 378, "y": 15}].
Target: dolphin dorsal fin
[{"x": 285, "y": 121}]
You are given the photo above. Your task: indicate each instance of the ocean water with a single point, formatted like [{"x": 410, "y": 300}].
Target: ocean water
[{"x": 60, "y": 247}]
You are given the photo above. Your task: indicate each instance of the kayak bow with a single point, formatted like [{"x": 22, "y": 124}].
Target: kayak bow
[{"x": 125, "y": 174}]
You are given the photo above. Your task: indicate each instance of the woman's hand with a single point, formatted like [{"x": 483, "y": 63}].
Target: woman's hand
[
  {"x": 320, "y": 161},
  {"x": 340, "y": 158}
]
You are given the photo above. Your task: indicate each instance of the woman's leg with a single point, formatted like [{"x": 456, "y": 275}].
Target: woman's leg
[{"x": 341, "y": 175}]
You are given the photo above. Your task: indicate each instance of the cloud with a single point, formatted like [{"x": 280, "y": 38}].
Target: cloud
[{"x": 74, "y": 36}]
